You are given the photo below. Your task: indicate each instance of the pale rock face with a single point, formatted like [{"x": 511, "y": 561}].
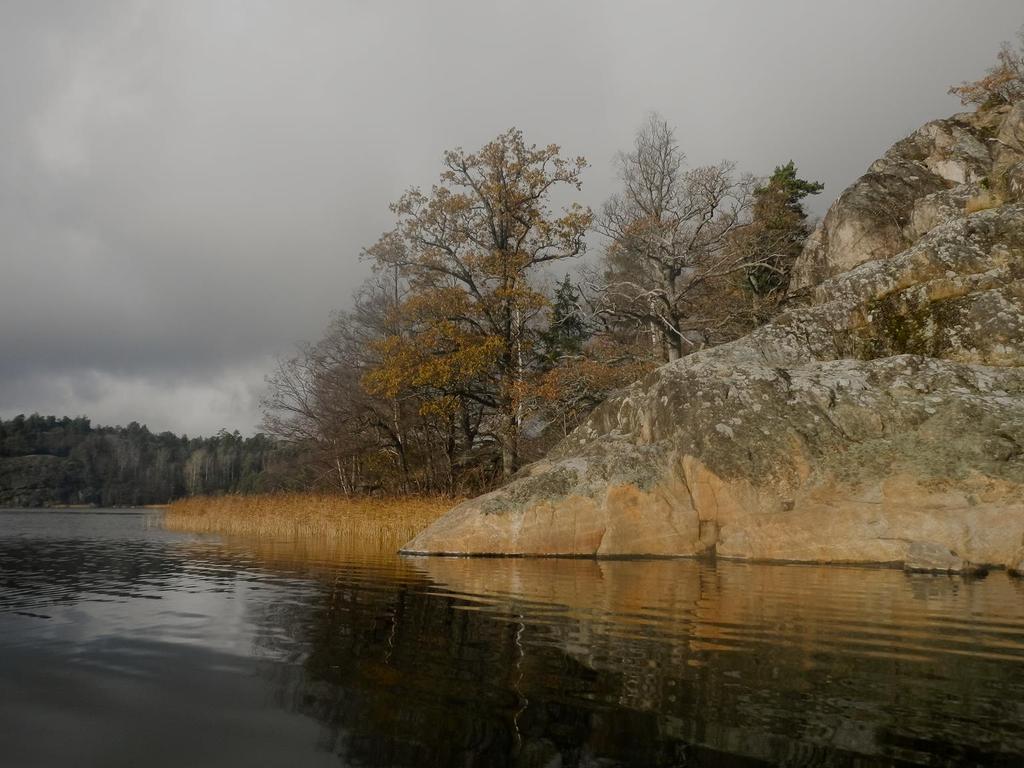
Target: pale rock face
[
  {"x": 1015, "y": 565},
  {"x": 929, "y": 557},
  {"x": 867, "y": 221},
  {"x": 1014, "y": 179},
  {"x": 1009, "y": 143},
  {"x": 939, "y": 207},
  {"x": 881, "y": 422},
  {"x": 956, "y": 153},
  {"x": 875, "y": 217}
]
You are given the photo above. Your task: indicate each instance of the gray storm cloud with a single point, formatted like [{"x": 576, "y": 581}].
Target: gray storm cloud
[{"x": 185, "y": 187}]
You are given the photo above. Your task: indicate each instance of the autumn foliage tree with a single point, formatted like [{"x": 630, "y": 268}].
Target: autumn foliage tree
[
  {"x": 470, "y": 251},
  {"x": 1003, "y": 82}
]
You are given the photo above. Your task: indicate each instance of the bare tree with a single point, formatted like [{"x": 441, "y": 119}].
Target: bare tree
[
  {"x": 357, "y": 440},
  {"x": 311, "y": 403},
  {"x": 669, "y": 230}
]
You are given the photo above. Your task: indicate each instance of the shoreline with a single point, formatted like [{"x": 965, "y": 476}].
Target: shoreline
[
  {"x": 389, "y": 523},
  {"x": 977, "y": 570},
  {"x": 81, "y": 507}
]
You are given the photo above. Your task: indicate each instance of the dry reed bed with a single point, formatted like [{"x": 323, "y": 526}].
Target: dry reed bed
[{"x": 379, "y": 524}]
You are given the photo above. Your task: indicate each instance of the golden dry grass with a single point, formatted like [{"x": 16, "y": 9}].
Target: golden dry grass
[
  {"x": 981, "y": 202},
  {"x": 374, "y": 524}
]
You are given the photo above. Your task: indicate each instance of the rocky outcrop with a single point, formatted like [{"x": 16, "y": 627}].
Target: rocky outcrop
[
  {"x": 883, "y": 421},
  {"x": 942, "y": 162},
  {"x": 840, "y": 461}
]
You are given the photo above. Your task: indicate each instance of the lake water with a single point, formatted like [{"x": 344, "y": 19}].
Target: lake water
[{"x": 125, "y": 645}]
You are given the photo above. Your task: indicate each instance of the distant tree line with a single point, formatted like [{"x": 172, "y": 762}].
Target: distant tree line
[
  {"x": 467, "y": 353},
  {"x": 46, "y": 460}
]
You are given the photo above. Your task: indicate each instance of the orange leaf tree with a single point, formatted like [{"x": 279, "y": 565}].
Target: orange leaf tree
[
  {"x": 470, "y": 251},
  {"x": 1003, "y": 82}
]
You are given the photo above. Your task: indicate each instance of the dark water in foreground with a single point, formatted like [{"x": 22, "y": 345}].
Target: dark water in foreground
[{"x": 124, "y": 645}]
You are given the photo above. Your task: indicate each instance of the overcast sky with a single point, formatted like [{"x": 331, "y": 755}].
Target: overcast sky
[{"x": 185, "y": 187}]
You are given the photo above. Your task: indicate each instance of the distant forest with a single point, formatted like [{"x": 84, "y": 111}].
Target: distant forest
[{"x": 48, "y": 461}]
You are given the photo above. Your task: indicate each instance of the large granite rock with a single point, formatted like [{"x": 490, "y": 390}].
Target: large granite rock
[
  {"x": 929, "y": 557},
  {"x": 874, "y": 218},
  {"x": 881, "y": 422}
]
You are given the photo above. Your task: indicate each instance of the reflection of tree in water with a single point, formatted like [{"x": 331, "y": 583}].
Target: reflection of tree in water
[
  {"x": 409, "y": 678},
  {"x": 682, "y": 665}
]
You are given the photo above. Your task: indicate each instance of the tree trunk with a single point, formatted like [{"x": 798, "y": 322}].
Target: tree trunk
[
  {"x": 672, "y": 342},
  {"x": 673, "y": 333},
  {"x": 510, "y": 447}
]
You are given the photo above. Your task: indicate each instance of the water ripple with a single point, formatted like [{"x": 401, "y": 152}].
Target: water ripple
[{"x": 454, "y": 661}]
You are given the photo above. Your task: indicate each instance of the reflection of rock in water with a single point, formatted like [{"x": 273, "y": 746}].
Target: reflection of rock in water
[
  {"x": 776, "y": 661},
  {"x": 521, "y": 662}
]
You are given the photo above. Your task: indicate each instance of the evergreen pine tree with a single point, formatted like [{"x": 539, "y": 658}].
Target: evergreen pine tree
[
  {"x": 779, "y": 228},
  {"x": 566, "y": 331}
]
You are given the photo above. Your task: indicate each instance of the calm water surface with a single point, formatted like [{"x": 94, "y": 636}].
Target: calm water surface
[{"x": 124, "y": 645}]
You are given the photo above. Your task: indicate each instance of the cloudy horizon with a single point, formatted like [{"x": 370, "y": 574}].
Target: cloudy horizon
[{"x": 185, "y": 188}]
